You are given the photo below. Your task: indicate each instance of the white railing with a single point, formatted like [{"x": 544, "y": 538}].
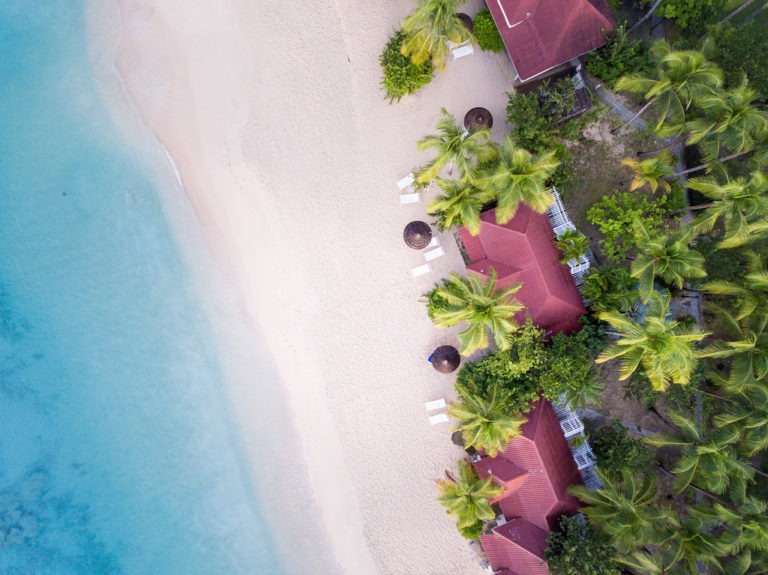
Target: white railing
[
  {"x": 573, "y": 429},
  {"x": 560, "y": 221}
]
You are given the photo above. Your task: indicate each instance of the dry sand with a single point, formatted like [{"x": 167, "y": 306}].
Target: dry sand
[{"x": 289, "y": 155}]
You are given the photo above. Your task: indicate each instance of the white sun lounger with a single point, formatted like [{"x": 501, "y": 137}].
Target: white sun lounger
[
  {"x": 406, "y": 182},
  {"x": 434, "y": 242},
  {"x": 414, "y": 198},
  {"x": 463, "y": 50},
  {"x": 421, "y": 270},
  {"x": 436, "y": 404},
  {"x": 433, "y": 254},
  {"x": 437, "y": 419}
]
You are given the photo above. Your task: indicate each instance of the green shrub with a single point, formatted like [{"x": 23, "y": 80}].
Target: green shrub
[
  {"x": 486, "y": 32},
  {"x": 576, "y": 549},
  {"x": 618, "y": 57},
  {"x": 693, "y": 14},
  {"x": 610, "y": 288},
  {"x": 616, "y": 450},
  {"x": 742, "y": 51},
  {"x": 613, "y": 215},
  {"x": 573, "y": 244},
  {"x": 401, "y": 76}
]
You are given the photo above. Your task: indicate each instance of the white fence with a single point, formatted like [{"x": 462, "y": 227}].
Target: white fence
[
  {"x": 560, "y": 221},
  {"x": 573, "y": 429}
]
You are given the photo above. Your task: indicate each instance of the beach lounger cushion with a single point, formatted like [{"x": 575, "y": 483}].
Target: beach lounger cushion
[
  {"x": 437, "y": 419},
  {"x": 421, "y": 270},
  {"x": 435, "y": 404},
  {"x": 410, "y": 198},
  {"x": 433, "y": 254},
  {"x": 406, "y": 182},
  {"x": 462, "y": 51}
]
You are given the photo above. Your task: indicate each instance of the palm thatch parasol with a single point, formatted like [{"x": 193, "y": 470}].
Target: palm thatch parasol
[
  {"x": 445, "y": 359},
  {"x": 478, "y": 119},
  {"x": 417, "y": 235},
  {"x": 466, "y": 19}
]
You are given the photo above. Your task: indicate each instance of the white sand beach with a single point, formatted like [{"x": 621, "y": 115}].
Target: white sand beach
[{"x": 289, "y": 155}]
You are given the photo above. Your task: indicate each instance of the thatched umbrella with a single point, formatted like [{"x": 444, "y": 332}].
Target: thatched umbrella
[
  {"x": 478, "y": 119},
  {"x": 417, "y": 235},
  {"x": 445, "y": 359},
  {"x": 466, "y": 19}
]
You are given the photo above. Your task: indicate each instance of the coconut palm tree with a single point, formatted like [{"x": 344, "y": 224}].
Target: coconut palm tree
[
  {"x": 459, "y": 205},
  {"x": 752, "y": 293},
  {"x": 486, "y": 423},
  {"x": 429, "y": 28},
  {"x": 737, "y": 202},
  {"x": 748, "y": 415},
  {"x": 478, "y": 303},
  {"x": 679, "y": 78},
  {"x": 650, "y": 172},
  {"x": 625, "y": 510},
  {"x": 466, "y": 498},
  {"x": 454, "y": 146},
  {"x": 729, "y": 120},
  {"x": 710, "y": 461},
  {"x": 663, "y": 347},
  {"x": 572, "y": 244},
  {"x": 748, "y": 348},
  {"x": 664, "y": 256},
  {"x": 519, "y": 176},
  {"x": 748, "y": 521}
]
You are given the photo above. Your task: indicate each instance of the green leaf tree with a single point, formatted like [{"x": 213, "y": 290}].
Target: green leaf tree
[
  {"x": 454, "y": 146},
  {"x": 752, "y": 292},
  {"x": 476, "y": 302},
  {"x": 401, "y": 76},
  {"x": 486, "y": 423},
  {"x": 466, "y": 499},
  {"x": 747, "y": 414},
  {"x": 625, "y": 510},
  {"x": 572, "y": 244},
  {"x": 429, "y": 28},
  {"x": 486, "y": 32},
  {"x": 651, "y": 172},
  {"x": 737, "y": 203},
  {"x": 458, "y": 205},
  {"x": 610, "y": 288},
  {"x": 666, "y": 256},
  {"x": 519, "y": 177},
  {"x": 616, "y": 450},
  {"x": 577, "y": 549},
  {"x": 659, "y": 344}
]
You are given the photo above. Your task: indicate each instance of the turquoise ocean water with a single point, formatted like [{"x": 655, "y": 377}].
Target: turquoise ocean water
[{"x": 116, "y": 450}]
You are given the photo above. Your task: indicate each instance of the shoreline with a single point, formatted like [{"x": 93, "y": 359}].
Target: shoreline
[{"x": 289, "y": 156}]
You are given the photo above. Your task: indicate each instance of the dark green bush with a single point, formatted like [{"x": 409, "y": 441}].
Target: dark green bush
[
  {"x": 742, "y": 51},
  {"x": 401, "y": 76},
  {"x": 616, "y": 450},
  {"x": 693, "y": 14},
  {"x": 486, "y": 32},
  {"x": 576, "y": 549},
  {"x": 610, "y": 288},
  {"x": 620, "y": 56}
]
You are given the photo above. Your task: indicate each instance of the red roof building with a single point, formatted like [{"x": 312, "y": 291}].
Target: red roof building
[
  {"x": 542, "y": 34},
  {"x": 535, "y": 470},
  {"x": 522, "y": 251}
]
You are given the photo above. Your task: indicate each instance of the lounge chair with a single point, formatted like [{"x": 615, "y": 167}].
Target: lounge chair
[
  {"x": 421, "y": 270},
  {"x": 463, "y": 50},
  {"x": 433, "y": 254},
  {"x": 437, "y": 419},
  {"x": 434, "y": 242},
  {"x": 414, "y": 198},
  {"x": 436, "y": 404},
  {"x": 406, "y": 182}
]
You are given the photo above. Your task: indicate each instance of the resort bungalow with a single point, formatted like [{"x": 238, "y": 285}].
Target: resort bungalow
[
  {"x": 540, "y": 35},
  {"x": 522, "y": 251},
  {"x": 535, "y": 470}
]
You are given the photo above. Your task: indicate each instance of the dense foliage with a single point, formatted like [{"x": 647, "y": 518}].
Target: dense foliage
[
  {"x": 486, "y": 32},
  {"x": 573, "y": 244},
  {"x": 740, "y": 51},
  {"x": 616, "y": 450},
  {"x": 401, "y": 76},
  {"x": 614, "y": 215},
  {"x": 576, "y": 549},
  {"x": 692, "y": 14},
  {"x": 610, "y": 287},
  {"x": 619, "y": 56}
]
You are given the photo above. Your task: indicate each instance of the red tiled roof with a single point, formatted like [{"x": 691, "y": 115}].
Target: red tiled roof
[
  {"x": 543, "y": 453},
  {"x": 504, "y": 473},
  {"x": 542, "y": 34},
  {"x": 522, "y": 251}
]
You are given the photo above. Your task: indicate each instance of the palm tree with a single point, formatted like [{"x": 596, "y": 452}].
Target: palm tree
[
  {"x": 710, "y": 461},
  {"x": 572, "y": 244},
  {"x": 454, "y": 147},
  {"x": 729, "y": 120},
  {"x": 477, "y": 302},
  {"x": 651, "y": 172},
  {"x": 625, "y": 510},
  {"x": 429, "y": 28},
  {"x": 519, "y": 176},
  {"x": 664, "y": 256},
  {"x": 748, "y": 415},
  {"x": 752, "y": 293},
  {"x": 486, "y": 423},
  {"x": 747, "y": 520},
  {"x": 459, "y": 205},
  {"x": 748, "y": 348},
  {"x": 663, "y": 347},
  {"x": 738, "y": 202},
  {"x": 680, "y": 77},
  {"x": 466, "y": 498}
]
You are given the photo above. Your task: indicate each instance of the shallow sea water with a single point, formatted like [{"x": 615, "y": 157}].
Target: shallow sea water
[{"x": 117, "y": 454}]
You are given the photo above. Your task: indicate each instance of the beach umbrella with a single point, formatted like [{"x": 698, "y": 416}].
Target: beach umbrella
[
  {"x": 445, "y": 359},
  {"x": 417, "y": 235},
  {"x": 466, "y": 19},
  {"x": 478, "y": 119}
]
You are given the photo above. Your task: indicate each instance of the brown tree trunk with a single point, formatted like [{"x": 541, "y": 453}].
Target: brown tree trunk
[
  {"x": 739, "y": 9},
  {"x": 647, "y": 15},
  {"x": 677, "y": 141},
  {"x": 643, "y": 109},
  {"x": 703, "y": 166}
]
